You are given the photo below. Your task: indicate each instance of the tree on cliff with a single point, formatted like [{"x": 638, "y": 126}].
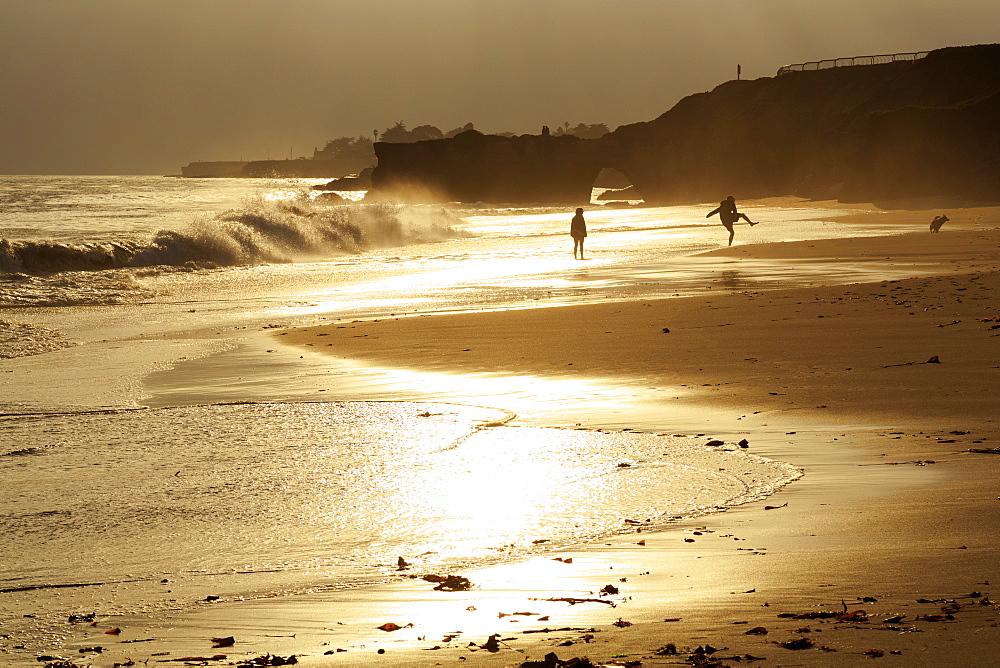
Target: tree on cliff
[
  {"x": 346, "y": 147},
  {"x": 583, "y": 131},
  {"x": 464, "y": 128},
  {"x": 398, "y": 134}
]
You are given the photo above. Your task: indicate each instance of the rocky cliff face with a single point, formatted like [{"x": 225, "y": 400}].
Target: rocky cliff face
[
  {"x": 473, "y": 167},
  {"x": 864, "y": 133}
]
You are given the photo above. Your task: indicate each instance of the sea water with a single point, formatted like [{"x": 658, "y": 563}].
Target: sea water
[{"x": 157, "y": 444}]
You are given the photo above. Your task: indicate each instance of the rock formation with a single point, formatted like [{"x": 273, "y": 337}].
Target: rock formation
[
  {"x": 360, "y": 181},
  {"x": 473, "y": 167},
  {"x": 898, "y": 130}
]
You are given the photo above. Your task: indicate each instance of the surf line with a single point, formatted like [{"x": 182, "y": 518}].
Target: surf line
[{"x": 476, "y": 428}]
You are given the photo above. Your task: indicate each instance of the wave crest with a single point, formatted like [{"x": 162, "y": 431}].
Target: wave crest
[{"x": 259, "y": 232}]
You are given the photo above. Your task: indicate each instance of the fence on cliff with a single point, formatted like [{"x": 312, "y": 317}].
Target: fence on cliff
[{"x": 846, "y": 62}]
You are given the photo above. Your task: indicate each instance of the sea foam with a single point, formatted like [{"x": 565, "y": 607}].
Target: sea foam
[{"x": 258, "y": 232}]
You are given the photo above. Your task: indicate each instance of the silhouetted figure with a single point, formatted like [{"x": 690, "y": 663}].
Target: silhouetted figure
[
  {"x": 938, "y": 222},
  {"x": 578, "y": 230},
  {"x": 729, "y": 215}
]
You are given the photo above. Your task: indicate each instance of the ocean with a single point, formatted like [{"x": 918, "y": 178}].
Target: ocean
[{"x": 158, "y": 444}]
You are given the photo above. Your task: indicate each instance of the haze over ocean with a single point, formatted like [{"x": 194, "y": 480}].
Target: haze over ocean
[{"x": 121, "y": 87}]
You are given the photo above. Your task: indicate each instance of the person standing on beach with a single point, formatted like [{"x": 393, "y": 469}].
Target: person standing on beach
[
  {"x": 578, "y": 230},
  {"x": 729, "y": 215}
]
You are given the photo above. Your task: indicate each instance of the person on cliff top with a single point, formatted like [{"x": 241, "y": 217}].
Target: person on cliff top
[
  {"x": 729, "y": 215},
  {"x": 578, "y": 230}
]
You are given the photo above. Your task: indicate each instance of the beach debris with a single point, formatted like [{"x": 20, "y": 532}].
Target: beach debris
[
  {"x": 192, "y": 659},
  {"x": 756, "y": 631},
  {"x": 113, "y": 632},
  {"x": 666, "y": 330},
  {"x": 449, "y": 582},
  {"x": 492, "y": 643},
  {"x": 501, "y": 615},
  {"x": 949, "y": 324},
  {"x": 587, "y": 637},
  {"x": 798, "y": 643},
  {"x": 87, "y": 617},
  {"x": 97, "y": 649},
  {"x": 715, "y": 442},
  {"x": 574, "y": 601},
  {"x": 936, "y": 618},
  {"x": 609, "y": 590},
  {"x": 553, "y": 661},
  {"x": 212, "y": 597},
  {"x": 402, "y": 564},
  {"x": 934, "y": 359},
  {"x": 775, "y": 507},
  {"x": 621, "y": 623},
  {"x": 269, "y": 660},
  {"x": 670, "y": 649},
  {"x": 744, "y": 443},
  {"x": 816, "y": 614},
  {"x": 389, "y": 627},
  {"x": 856, "y": 616},
  {"x": 565, "y": 560},
  {"x": 228, "y": 641},
  {"x": 985, "y": 451}
]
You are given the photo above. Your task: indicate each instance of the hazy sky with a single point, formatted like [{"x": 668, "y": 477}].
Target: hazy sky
[{"x": 144, "y": 87}]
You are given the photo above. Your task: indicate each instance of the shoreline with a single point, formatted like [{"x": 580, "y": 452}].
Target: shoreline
[{"x": 873, "y": 518}]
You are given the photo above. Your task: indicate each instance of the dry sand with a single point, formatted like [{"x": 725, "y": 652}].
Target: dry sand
[{"x": 893, "y": 516}]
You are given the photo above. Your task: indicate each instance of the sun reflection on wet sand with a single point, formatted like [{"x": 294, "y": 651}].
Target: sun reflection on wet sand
[{"x": 528, "y": 396}]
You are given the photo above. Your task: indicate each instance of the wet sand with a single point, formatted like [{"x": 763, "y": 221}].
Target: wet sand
[{"x": 893, "y": 516}]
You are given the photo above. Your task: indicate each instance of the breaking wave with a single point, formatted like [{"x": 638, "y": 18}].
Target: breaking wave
[{"x": 260, "y": 232}]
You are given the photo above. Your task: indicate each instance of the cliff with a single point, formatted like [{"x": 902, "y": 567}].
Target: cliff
[
  {"x": 304, "y": 168},
  {"x": 213, "y": 170},
  {"x": 473, "y": 167},
  {"x": 301, "y": 168},
  {"x": 860, "y": 133}
]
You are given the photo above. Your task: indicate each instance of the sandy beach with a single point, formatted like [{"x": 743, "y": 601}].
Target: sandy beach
[{"x": 883, "y": 394}]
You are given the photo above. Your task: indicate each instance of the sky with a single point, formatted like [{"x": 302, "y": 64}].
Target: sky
[{"x": 144, "y": 86}]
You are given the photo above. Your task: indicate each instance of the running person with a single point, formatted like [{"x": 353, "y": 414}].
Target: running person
[{"x": 729, "y": 215}]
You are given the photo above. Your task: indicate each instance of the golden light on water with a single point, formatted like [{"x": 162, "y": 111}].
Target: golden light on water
[{"x": 524, "y": 395}]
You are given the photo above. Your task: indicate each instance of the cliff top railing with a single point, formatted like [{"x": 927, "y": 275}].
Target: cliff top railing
[{"x": 846, "y": 62}]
